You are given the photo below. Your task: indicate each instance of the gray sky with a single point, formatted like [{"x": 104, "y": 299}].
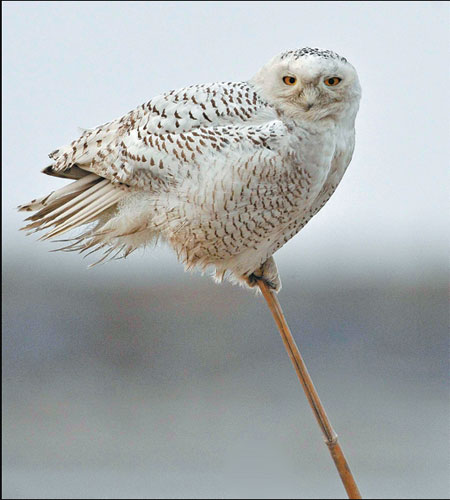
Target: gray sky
[{"x": 79, "y": 64}]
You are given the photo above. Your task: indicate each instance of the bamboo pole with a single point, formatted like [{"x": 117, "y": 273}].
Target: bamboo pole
[{"x": 331, "y": 438}]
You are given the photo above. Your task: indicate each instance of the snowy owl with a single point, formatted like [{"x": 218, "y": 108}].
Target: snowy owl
[{"x": 225, "y": 173}]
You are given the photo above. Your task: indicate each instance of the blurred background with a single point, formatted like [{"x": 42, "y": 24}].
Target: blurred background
[{"x": 136, "y": 380}]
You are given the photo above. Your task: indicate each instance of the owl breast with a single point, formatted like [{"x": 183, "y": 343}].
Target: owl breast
[{"x": 240, "y": 217}]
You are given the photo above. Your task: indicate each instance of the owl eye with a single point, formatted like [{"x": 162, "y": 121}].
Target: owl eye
[
  {"x": 333, "y": 81},
  {"x": 289, "y": 80}
]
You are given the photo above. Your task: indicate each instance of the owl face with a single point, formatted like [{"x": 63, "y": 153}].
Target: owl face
[{"x": 310, "y": 84}]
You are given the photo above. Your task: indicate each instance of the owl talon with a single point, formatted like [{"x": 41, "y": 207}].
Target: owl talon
[
  {"x": 268, "y": 273},
  {"x": 252, "y": 281}
]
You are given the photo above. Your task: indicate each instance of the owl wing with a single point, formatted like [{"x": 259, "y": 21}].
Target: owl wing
[
  {"x": 177, "y": 136},
  {"x": 148, "y": 146}
]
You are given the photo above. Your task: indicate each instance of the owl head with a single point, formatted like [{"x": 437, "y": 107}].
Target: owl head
[{"x": 310, "y": 84}]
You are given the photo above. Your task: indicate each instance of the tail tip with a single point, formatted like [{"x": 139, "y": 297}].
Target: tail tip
[
  {"x": 24, "y": 208},
  {"x": 48, "y": 170}
]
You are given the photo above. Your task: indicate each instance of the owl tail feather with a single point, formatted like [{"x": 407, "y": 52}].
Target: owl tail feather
[{"x": 74, "y": 205}]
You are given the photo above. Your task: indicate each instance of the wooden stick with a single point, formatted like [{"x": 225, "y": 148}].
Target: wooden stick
[{"x": 331, "y": 438}]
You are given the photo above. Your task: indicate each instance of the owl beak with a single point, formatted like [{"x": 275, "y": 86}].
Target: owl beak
[{"x": 308, "y": 97}]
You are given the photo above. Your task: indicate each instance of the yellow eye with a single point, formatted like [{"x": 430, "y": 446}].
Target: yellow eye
[
  {"x": 333, "y": 81},
  {"x": 289, "y": 80}
]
